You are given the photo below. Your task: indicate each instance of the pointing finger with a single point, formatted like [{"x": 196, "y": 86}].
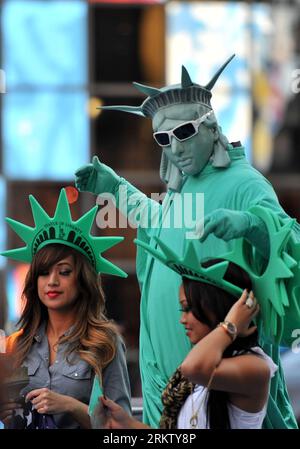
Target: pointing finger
[{"x": 209, "y": 227}]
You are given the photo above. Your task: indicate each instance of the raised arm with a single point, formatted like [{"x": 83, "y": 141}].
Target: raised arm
[
  {"x": 240, "y": 374},
  {"x": 101, "y": 179}
]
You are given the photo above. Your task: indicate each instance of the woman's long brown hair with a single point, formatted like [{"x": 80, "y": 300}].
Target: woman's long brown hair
[{"x": 93, "y": 337}]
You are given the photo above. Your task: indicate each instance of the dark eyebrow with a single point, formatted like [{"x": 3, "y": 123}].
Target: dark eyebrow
[{"x": 65, "y": 263}]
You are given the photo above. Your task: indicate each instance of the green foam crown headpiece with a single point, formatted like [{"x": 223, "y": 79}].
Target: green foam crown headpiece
[
  {"x": 186, "y": 92},
  {"x": 188, "y": 265},
  {"x": 276, "y": 284},
  {"x": 63, "y": 230}
]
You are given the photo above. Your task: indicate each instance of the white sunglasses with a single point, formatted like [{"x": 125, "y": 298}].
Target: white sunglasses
[{"x": 181, "y": 132}]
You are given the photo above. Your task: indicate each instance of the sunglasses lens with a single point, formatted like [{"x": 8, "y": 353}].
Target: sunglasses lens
[
  {"x": 162, "y": 138},
  {"x": 185, "y": 131}
]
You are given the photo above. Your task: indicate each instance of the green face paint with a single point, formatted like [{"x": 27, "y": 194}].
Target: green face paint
[{"x": 191, "y": 155}]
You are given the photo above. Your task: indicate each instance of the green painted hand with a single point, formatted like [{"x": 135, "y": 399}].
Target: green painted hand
[
  {"x": 96, "y": 177},
  {"x": 225, "y": 224}
]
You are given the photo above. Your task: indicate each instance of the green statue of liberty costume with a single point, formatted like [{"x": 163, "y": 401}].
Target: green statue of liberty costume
[{"x": 197, "y": 158}]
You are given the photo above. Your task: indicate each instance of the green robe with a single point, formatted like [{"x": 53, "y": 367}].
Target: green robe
[{"x": 163, "y": 343}]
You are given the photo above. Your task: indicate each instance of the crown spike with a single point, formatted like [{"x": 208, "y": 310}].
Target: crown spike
[
  {"x": 185, "y": 78},
  {"x": 86, "y": 221},
  {"x": 147, "y": 90},
  {"x": 105, "y": 243},
  {"x": 20, "y": 229},
  {"x": 39, "y": 215},
  {"x": 214, "y": 79},
  {"x": 131, "y": 109},
  {"x": 107, "y": 267},
  {"x": 168, "y": 253},
  {"x": 62, "y": 211},
  {"x": 218, "y": 270},
  {"x": 190, "y": 255},
  {"x": 19, "y": 254}
]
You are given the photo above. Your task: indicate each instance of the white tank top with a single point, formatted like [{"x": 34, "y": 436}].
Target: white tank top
[{"x": 239, "y": 419}]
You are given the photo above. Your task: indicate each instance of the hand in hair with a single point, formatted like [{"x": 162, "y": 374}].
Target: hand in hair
[{"x": 241, "y": 314}]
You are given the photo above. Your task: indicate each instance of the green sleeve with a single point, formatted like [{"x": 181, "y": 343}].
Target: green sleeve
[{"x": 141, "y": 211}]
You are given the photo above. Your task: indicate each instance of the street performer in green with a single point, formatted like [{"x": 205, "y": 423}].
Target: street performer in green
[{"x": 197, "y": 158}]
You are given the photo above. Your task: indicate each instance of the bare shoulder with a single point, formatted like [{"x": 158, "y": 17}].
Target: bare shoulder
[
  {"x": 253, "y": 365},
  {"x": 246, "y": 375},
  {"x": 256, "y": 372}
]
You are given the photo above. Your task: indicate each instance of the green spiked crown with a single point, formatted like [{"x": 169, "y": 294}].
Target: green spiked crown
[
  {"x": 63, "y": 230},
  {"x": 186, "y": 92},
  {"x": 276, "y": 285},
  {"x": 188, "y": 265}
]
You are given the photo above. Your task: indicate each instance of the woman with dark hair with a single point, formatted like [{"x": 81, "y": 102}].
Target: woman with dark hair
[
  {"x": 66, "y": 342},
  {"x": 229, "y": 371},
  {"x": 224, "y": 381}
]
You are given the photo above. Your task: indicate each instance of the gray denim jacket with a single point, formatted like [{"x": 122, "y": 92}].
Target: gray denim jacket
[{"x": 73, "y": 376}]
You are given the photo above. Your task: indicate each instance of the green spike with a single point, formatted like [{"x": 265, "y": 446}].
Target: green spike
[
  {"x": 131, "y": 109},
  {"x": 283, "y": 235},
  {"x": 288, "y": 260},
  {"x": 217, "y": 271},
  {"x": 86, "y": 221},
  {"x": 148, "y": 90},
  {"x": 214, "y": 79},
  {"x": 185, "y": 78},
  {"x": 106, "y": 267},
  {"x": 104, "y": 243},
  {"x": 20, "y": 229},
  {"x": 20, "y": 254},
  {"x": 283, "y": 271},
  {"x": 62, "y": 211},
  {"x": 283, "y": 294},
  {"x": 190, "y": 255},
  {"x": 293, "y": 284},
  {"x": 39, "y": 215},
  {"x": 168, "y": 253}
]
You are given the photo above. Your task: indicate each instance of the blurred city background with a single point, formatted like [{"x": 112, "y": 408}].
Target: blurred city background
[{"x": 62, "y": 59}]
